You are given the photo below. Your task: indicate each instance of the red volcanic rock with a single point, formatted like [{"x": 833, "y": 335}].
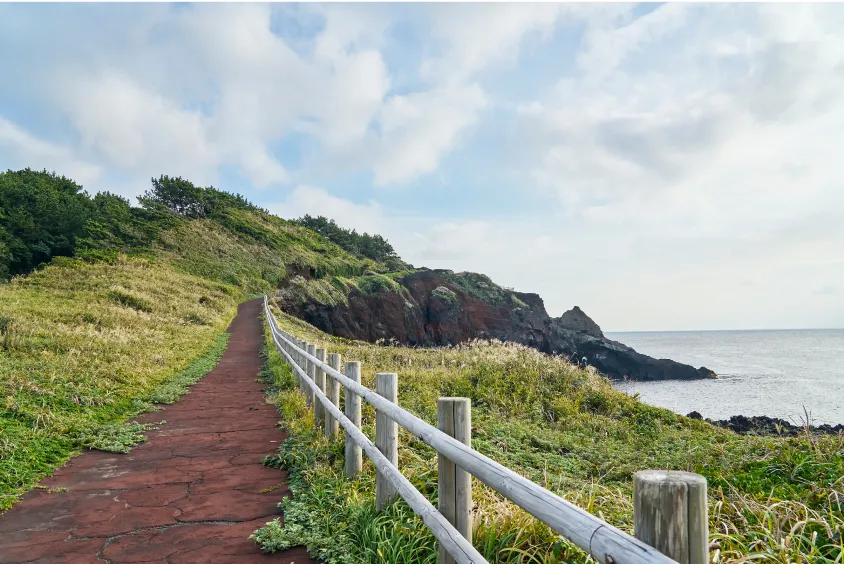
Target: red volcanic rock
[{"x": 439, "y": 307}]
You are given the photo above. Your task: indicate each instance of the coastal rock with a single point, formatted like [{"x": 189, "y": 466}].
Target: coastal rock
[
  {"x": 763, "y": 425},
  {"x": 577, "y": 321},
  {"x": 440, "y": 307}
]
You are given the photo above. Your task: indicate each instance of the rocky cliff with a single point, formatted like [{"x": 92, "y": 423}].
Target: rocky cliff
[{"x": 440, "y": 307}]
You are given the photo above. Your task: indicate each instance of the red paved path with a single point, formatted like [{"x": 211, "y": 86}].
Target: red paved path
[{"x": 190, "y": 494}]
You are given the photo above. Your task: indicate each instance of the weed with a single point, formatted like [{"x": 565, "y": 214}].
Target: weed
[{"x": 115, "y": 437}]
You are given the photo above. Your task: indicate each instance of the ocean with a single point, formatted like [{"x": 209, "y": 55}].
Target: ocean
[{"x": 773, "y": 373}]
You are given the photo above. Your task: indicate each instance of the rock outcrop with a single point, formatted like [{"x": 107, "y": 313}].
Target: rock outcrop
[
  {"x": 763, "y": 425},
  {"x": 440, "y": 307},
  {"x": 575, "y": 320}
]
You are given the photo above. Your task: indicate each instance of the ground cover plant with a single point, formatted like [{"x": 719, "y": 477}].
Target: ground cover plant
[{"x": 771, "y": 499}]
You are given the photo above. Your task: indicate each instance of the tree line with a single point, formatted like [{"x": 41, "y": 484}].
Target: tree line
[
  {"x": 44, "y": 215},
  {"x": 365, "y": 245}
]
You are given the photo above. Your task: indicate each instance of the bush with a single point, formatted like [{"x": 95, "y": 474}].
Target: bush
[{"x": 41, "y": 216}]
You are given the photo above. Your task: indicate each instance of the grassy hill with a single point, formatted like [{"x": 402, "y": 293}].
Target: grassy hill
[{"x": 110, "y": 308}]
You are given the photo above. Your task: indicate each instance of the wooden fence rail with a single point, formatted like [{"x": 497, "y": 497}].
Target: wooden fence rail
[{"x": 671, "y": 518}]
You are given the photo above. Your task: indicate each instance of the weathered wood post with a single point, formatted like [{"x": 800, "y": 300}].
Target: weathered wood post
[
  {"x": 319, "y": 379},
  {"x": 454, "y": 418},
  {"x": 332, "y": 391},
  {"x": 295, "y": 360},
  {"x": 311, "y": 372},
  {"x": 670, "y": 514},
  {"x": 300, "y": 361},
  {"x": 354, "y": 455},
  {"x": 305, "y": 367},
  {"x": 386, "y": 437}
]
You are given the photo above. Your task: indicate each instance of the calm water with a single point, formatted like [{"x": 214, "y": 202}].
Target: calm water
[{"x": 772, "y": 373}]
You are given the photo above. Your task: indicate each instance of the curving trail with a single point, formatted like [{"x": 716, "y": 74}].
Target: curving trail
[{"x": 193, "y": 493}]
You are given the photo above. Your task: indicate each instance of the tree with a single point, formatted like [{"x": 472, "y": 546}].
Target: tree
[
  {"x": 176, "y": 194},
  {"x": 41, "y": 216},
  {"x": 374, "y": 247}
]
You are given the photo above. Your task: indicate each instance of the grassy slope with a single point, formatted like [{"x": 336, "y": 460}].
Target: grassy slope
[
  {"x": 567, "y": 429},
  {"x": 85, "y": 346}
]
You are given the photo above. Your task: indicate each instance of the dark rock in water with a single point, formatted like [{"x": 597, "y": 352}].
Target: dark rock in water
[
  {"x": 440, "y": 307},
  {"x": 695, "y": 415},
  {"x": 763, "y": 425}
]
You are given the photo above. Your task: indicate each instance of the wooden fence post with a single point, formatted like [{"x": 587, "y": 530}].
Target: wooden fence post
[
  {"x": 332, "y": 391},
  {"x": 311, "y": 372},
  {"x": 319, "y": 379},
  {"x": 351, "y": 401},
  {"x": 670, "y": 514},
  {"x": 386, "y": 437},
  {"x": 304, "y": 364},
  {"x": 300, "y": 362},
  {"x": 297, "y": 359},
  {"x": 454, "y": 418}
]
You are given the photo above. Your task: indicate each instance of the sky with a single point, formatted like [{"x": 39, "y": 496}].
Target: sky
[{"x": 662, "y": 166}]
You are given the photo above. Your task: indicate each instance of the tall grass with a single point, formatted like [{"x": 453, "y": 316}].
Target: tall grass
[
  {"x": 86, "y": 346},
  {"x": 771, "y": 499}
]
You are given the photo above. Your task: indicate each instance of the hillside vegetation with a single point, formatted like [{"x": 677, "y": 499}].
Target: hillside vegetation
[
  {"x": 108, "y": 308},
  {"x": 771, "y": 499},
  {"x": 112, "y": 308}
]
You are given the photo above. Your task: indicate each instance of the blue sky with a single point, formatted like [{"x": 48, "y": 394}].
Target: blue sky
[{"x": 663, "y": 166}]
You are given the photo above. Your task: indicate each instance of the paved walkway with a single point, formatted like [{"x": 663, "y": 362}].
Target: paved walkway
[{"x": 192, "y": 493}]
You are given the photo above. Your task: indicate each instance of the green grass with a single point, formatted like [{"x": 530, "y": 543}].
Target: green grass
[
  {"x": 481, "y": 287},
  {"x": 86, "y": 346},
  {"x": 771, "y": 499}
]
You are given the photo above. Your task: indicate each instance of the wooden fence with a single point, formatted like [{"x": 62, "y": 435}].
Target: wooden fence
[{"x": 670, "y": 510}]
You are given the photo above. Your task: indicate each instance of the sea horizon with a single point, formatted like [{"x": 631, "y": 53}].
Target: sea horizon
[{"x": 614, "y": 331}]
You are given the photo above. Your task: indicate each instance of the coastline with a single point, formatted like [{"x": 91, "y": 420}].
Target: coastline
[{"x": 763, "y": 425}]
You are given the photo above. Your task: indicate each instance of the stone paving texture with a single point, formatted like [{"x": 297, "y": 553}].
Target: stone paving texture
[{"x": 192, "y": 493}]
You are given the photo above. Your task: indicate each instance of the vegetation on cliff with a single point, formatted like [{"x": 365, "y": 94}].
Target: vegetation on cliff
[{"x": 771, "y": 499}]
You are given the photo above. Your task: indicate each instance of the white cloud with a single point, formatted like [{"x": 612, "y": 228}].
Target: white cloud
[
  {"x": 221, "y": 88},
  {"x": 20, "y": 149},
  {"x": 418, "y": 129},
  {"x": 451, "y": 240},
  {"x": 685, "y": 174},
  {"x": 607, "y": 43},
  {"x": 138, "y": 130},
  {"x": 477, "y": 36},
  {"x": 696, "y": 150}
]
